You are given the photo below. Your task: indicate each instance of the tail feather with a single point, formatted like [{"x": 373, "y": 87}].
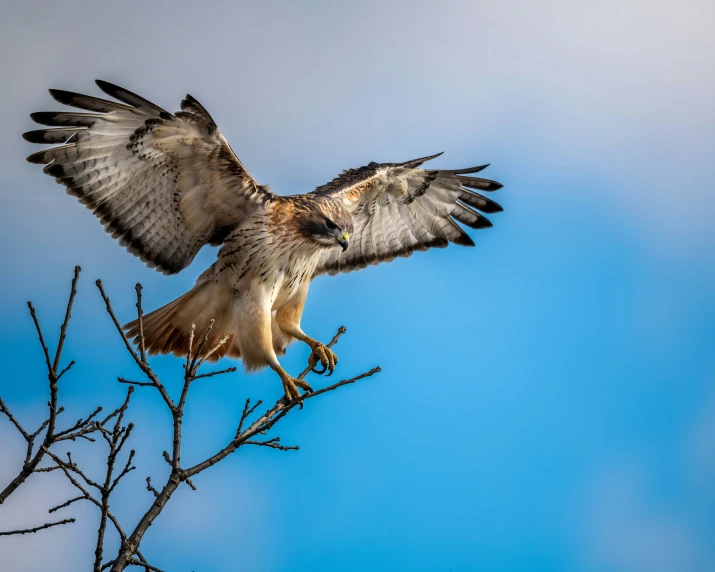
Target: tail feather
[{"x": 167, "y": 329}]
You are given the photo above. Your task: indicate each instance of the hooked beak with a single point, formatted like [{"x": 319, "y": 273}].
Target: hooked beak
[{"x": 343, "y": 241}]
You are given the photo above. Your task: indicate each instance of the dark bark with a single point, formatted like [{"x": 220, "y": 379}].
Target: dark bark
[{"x": 248, "y": 432}]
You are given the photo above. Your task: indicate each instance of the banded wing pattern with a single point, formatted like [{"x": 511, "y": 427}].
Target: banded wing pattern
[
  {"x": 399, "y": 208},
  {"x": 163, "y": 184}
]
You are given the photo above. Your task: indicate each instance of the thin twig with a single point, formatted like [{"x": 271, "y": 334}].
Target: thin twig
[
  {"x": 143, "y": 365},
  {"x": 33, "y": 314},
  {"x": 335, "y": 386},
  {"x": 220, "y": 372},
  {"x": 213, "y": 350},
  {"x": 140, "y": 321},
  {"x": 139, "y": 383},
  {"x": 118, "y": 437},
  {"x": 191, "y": 346},
  {"x": 51, "y": 436},
  {"x": 246, "y": 413},
  {"x": 83, "y": 425},
  {"x": 65, "y": 370},
  {"x": 202, "y": 344},
  {"x": 127, "y": 469},
  {"x": 65, "y": 323},
  {"x": 150, "y": 487},
  {"x": 66, "y": 503},
  {"x": 67, "y": 469},
  {"x": 146, "y": 566},
  {"x": 45, "y": 423},
  {"x": 38, "y": 528},
  {"x": 15, "y": 422},
  {"x": 272, "y": 443},
  {"x": 47, "y": 469},
  {"x": 267, "y": 420}
]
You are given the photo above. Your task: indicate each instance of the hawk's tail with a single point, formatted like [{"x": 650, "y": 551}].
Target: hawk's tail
[{"x": 167, "y": 330}]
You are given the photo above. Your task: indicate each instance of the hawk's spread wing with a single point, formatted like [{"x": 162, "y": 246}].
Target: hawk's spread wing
[
  {"x": 164, "y": 185},
  {"x": 399, "y": 208}
]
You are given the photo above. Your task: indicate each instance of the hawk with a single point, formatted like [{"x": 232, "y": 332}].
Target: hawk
[{"x": 164, "y": 185}]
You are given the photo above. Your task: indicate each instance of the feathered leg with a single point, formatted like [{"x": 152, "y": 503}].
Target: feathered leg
[
  {"x": 255, "y": 339},
  {"x": 288, "y": 319}
]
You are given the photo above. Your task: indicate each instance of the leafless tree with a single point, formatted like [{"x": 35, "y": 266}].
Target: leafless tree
[{"x": 251, "y": 429}]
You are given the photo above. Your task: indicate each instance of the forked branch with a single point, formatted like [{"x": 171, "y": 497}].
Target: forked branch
[
  {"x": 245, "y": 435},
  {"x": 252, "y": 429},
  {"x": 81, "y": 429}
]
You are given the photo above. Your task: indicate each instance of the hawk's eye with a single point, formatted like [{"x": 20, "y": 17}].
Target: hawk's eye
[{"x": 330, "y": 224}]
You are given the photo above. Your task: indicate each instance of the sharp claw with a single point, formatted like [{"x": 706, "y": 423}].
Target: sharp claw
[
  {"x": 303, "y": 385},
  {"x": 321, "y": 372},
  {"x": 333, "y": 361},
  {"x": 319, "y": 358},
  {"x": 322, "y": 356},
  {"x": 290, "y": 388}
]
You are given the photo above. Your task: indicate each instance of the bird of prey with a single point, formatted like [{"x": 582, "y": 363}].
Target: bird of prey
[{"x": 166, "y": 184}]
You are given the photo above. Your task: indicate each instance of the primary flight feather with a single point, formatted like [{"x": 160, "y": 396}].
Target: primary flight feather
[{"x": 167, "y": 184}]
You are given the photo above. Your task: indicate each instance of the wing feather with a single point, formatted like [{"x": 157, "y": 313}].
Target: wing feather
[
  {"x": 400, "y": 208},
  {"x": 86, "y": 101},
  {"x": 60, "y": 135},
  {"x": 163, "y": 185}
]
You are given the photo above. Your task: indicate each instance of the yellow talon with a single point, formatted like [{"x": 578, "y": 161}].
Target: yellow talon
[
  {"x": 291, "y": 385},
  {"x": 324, "y": 356}
]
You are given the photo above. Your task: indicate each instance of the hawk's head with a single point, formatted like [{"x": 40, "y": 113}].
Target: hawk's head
[{"x": 325, "y": 221}]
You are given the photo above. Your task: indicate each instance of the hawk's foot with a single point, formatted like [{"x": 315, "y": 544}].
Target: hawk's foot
[
  {"x": 325, "y": 356},
  {"x": 291, "y": 385}
]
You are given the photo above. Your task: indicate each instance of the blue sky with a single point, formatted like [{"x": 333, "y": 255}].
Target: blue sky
[{"x": 547, "y": 400}]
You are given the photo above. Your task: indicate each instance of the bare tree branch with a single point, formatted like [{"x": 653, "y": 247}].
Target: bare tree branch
[
  {"x": 150, "y": 488},
  {"x": 140, "y": 319},
  {"x": 15, "y": 422},
  {"x": 117, "y": 439},
  {"x": 273, "y": 444},
  {"x": 82, "y": 426},
  {"x": 146, "y": 566},
  {"x": 34, "y": 456},
  {"x": 65, "y": 370},
  {"x": 38, "y": 528},
  {"x": 141, "y": 362},
  {"x": 68, "y": 469},
  {"x": 65, "y": 323},
  {"x": 66, "y": 503},
  {"x": 220, "y": 372},
  {"x": 250, "y": 430},
  {"x": 138, "y": 383},
  {"x": 33, "y": 314},
  {"x": 194, "y": 360}
]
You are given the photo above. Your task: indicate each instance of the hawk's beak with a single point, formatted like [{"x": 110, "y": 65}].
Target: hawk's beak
[{"x": 344, "y": 241}]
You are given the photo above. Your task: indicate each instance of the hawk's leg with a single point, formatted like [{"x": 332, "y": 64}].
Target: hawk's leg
[{"x": 288, "y": 319}]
